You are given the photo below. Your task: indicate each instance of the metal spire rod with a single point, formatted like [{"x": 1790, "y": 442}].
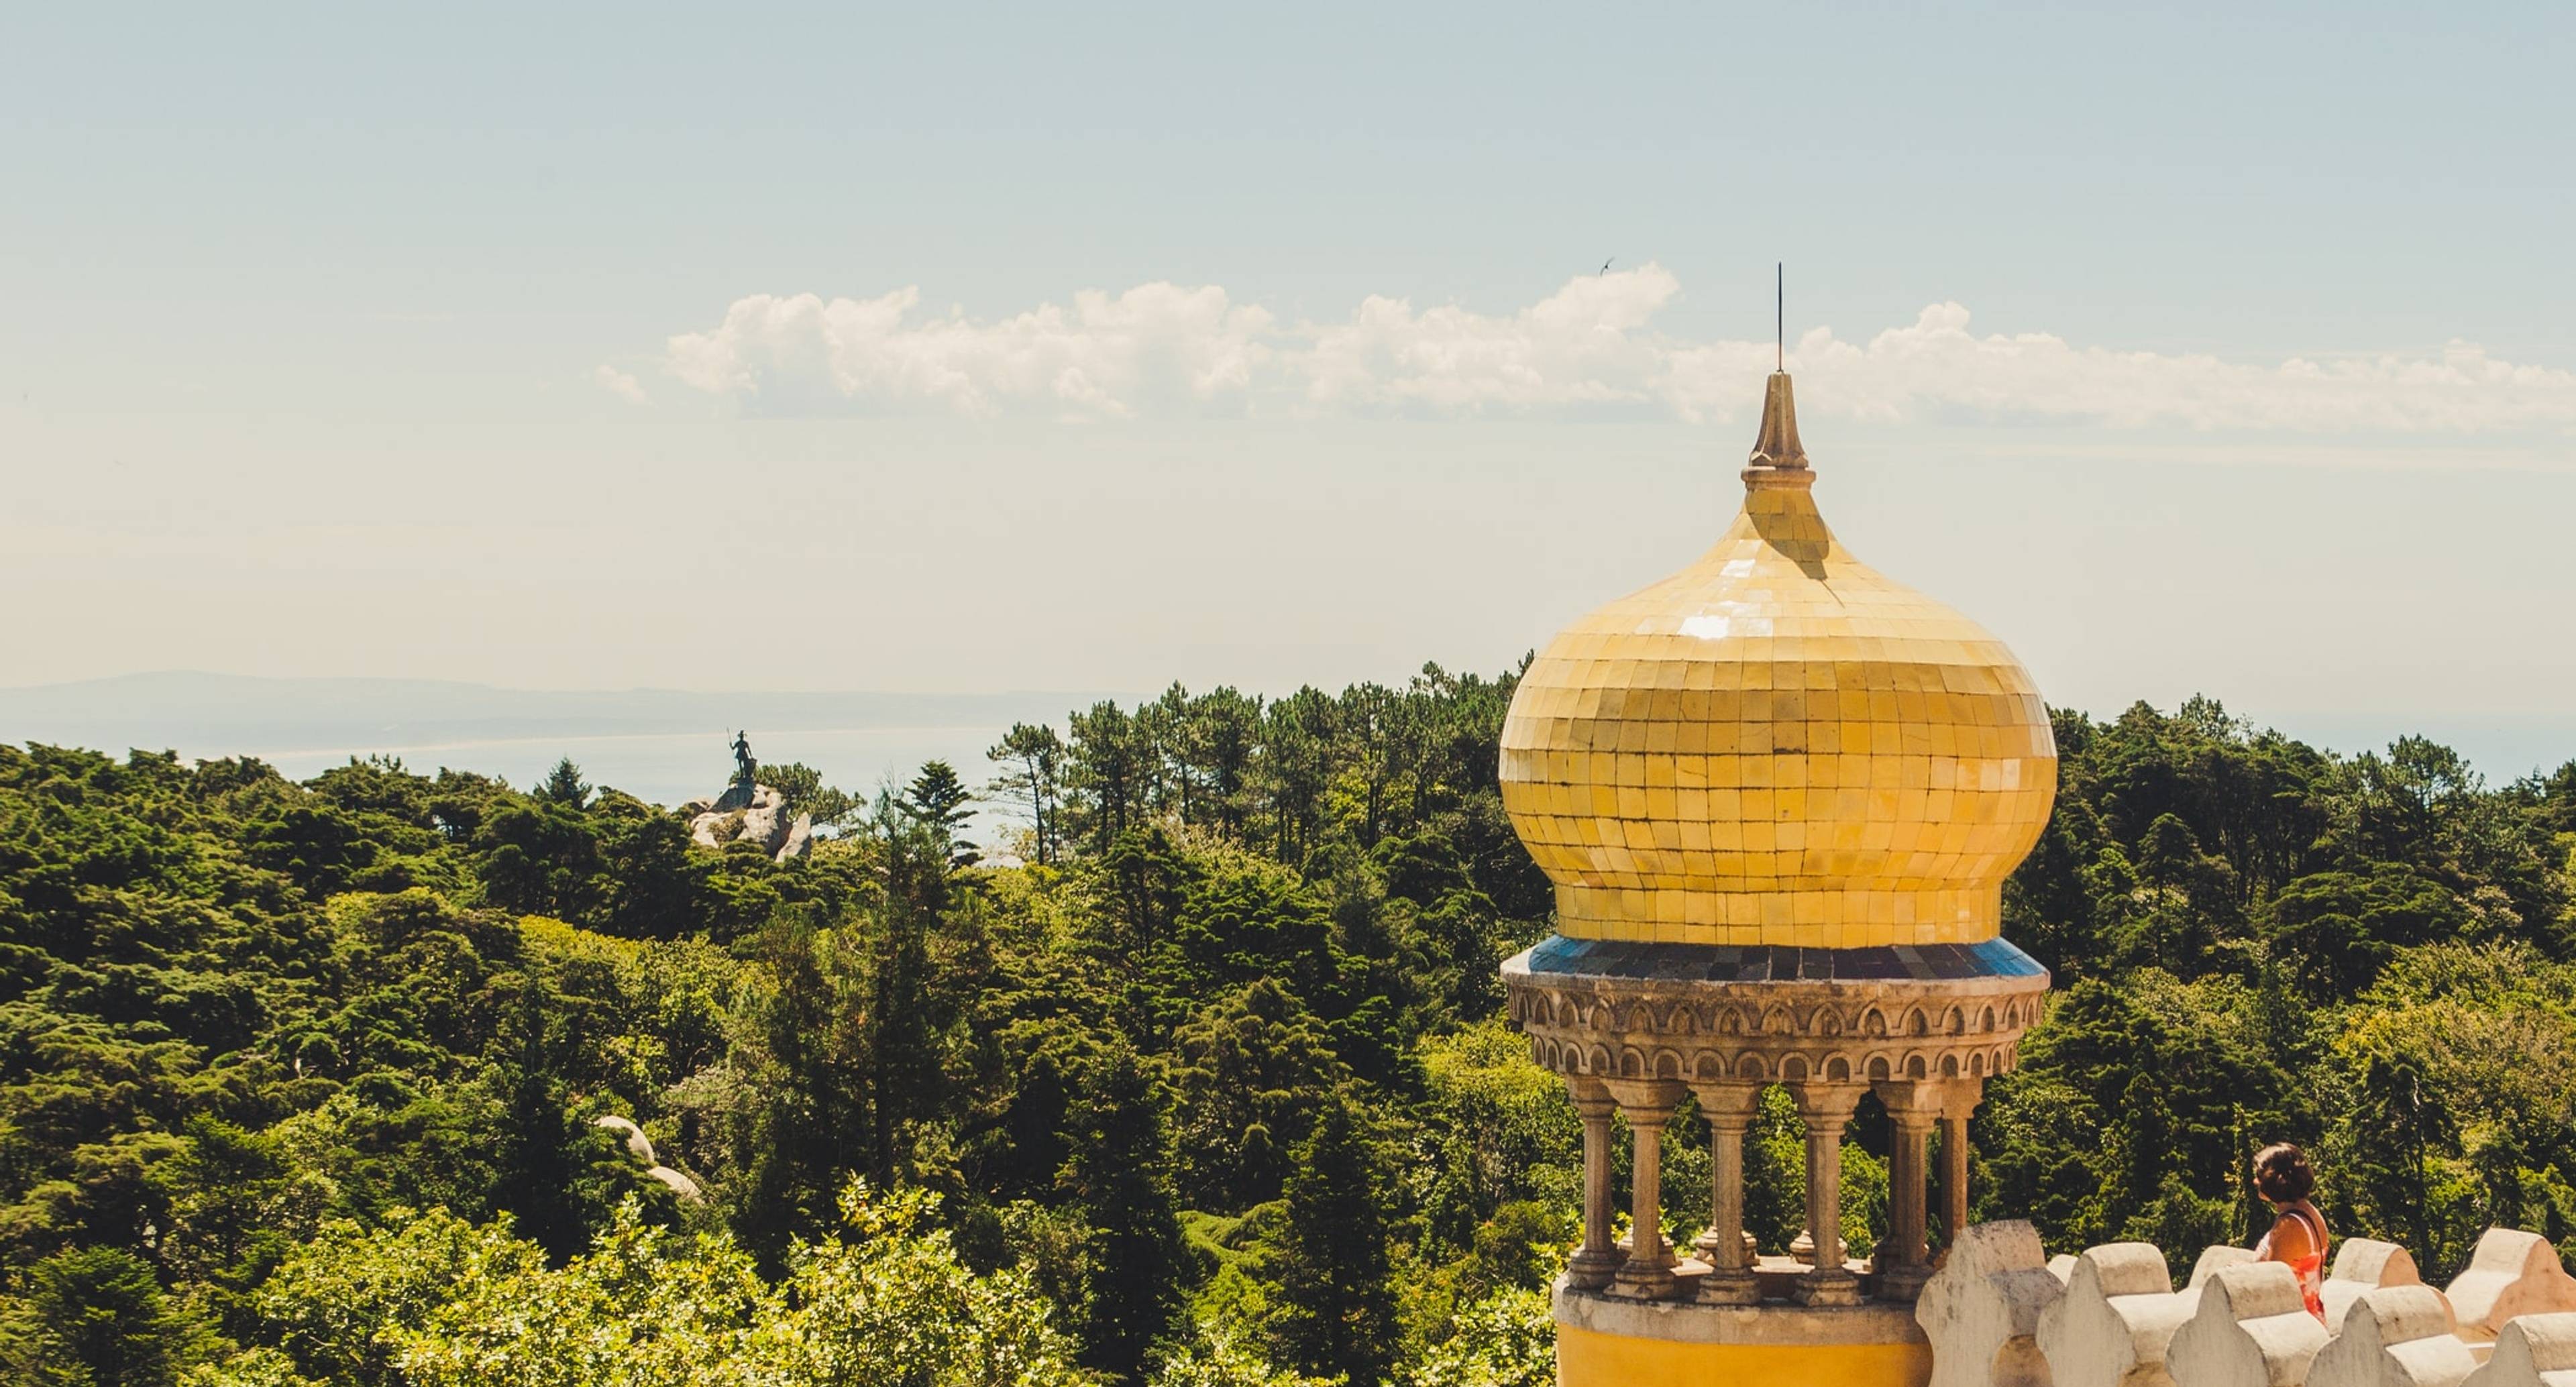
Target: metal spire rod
[{"x": 1779, "y": 316}]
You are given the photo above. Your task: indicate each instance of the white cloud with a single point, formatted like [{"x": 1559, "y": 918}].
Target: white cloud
[
  {"x": 1591, "y": 343},
  {"x": 1100, "y": 357},
  {"x": 1936, "y": 365},
  {"x": 619, "y": 384},
  {"x": 1584, "y": 344}
]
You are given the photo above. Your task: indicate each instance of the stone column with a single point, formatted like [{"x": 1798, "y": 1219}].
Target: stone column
[
  {"x": 1826, "y": 1108},
  {"x": 1904, "y": 1261},
  {"x": 1958, "y": 1099},
  {"x": 1647, "y": 1104},
  {"x": 1598, "y": 1259},
  {"x": 1729, "y": 1109}
]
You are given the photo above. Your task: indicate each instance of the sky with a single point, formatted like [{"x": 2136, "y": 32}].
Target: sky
[{"x": 980, "y": 348}]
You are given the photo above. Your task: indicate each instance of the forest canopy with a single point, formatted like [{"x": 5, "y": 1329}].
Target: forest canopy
[{"x": 1196, "y": 1076}]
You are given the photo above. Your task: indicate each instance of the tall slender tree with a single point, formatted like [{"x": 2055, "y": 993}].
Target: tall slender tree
[
  {"x": 1338, "y": 1312},
  {"x": 943, "y": 806},
  {"x": 1121, "y": 1174},
  {"x": 1034, "y": 782}
]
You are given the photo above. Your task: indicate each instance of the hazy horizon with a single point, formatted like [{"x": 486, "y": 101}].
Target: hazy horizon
[{"x": 667, "y": 746}]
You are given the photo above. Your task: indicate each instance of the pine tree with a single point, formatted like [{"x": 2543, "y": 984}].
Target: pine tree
[
  {"x": 941, "y": 803},
  {"x": 99, "y": 1317},
  {"x": 1120, "y": 1172},
  {"x": 899, "y": 1029},
  {"x": 563, "y": 785},
  {"x": 1337, "y": 1310},
  {"x": 1036, "y": 786}
]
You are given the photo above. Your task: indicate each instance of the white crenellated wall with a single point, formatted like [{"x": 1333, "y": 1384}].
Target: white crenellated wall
[
  {"x": 1981, "y": 1309},
  {"x": 2001, "y": 1313},
  {"x": 2251, "y": 1329},
  {"x": 2111, "y": 1327},
  {"x": 2533, "y": 1351},
  {"x": 2511, "y": 1274},
  {"x": 2366, "y": 1264},
  {"x": 2393, "y": 1336}
]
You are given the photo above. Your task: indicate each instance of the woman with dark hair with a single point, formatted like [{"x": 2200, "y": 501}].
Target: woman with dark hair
[{"x": 2298, "y": 1237}]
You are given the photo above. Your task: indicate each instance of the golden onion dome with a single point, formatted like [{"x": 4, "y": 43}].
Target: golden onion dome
[{"x": 1777, "y": 745}]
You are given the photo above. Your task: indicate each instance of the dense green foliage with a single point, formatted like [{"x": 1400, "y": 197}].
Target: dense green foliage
[
  {"x": 1200, "y": 1081},
  {"x": 2254, "y": 941}
]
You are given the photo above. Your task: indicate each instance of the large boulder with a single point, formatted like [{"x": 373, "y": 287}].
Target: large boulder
[
  {"x": 765, "y": 821},
  {"x": 638, "y": 1145},
  {"x": 679, "y": 1184},
  {"x": 754, "y": 814},
  {"x": 711, "y": 829},
  {"x": 800, "y": 838}
]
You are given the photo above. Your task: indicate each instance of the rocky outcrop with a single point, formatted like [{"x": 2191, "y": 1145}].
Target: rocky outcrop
[
  {"x": 640, "y": 1147},
  {"x": 753, "y": 814}
]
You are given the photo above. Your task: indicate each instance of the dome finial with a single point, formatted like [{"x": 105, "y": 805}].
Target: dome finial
[{"x": 1778, "y": 459}]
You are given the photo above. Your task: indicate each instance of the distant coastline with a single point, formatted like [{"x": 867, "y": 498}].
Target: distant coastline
[
  {"x": 661, "y": 745},
  {"x": 667, "y": 745}
]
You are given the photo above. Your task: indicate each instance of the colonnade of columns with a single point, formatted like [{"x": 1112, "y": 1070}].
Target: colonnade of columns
[{"x": 1645, "y": 1266}]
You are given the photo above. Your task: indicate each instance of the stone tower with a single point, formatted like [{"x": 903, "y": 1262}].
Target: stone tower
[{"x": 1778, "y": 795}]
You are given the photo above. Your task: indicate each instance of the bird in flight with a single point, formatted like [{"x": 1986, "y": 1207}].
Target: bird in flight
[{"x": 1605, "y": 268}]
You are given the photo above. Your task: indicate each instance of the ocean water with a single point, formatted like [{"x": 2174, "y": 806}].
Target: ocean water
[
  {"x": 674, "y": 767},
  {"x": 2503, "y": 747},
  {"x": 671, "y": 746},
  {"x": 661, "y": 746}
]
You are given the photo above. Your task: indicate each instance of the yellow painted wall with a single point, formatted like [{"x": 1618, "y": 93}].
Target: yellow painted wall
[{"x": 1585, "y": 1358}]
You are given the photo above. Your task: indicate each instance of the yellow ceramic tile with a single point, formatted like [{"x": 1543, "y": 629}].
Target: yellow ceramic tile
[{"x": 1778, "y": 745}]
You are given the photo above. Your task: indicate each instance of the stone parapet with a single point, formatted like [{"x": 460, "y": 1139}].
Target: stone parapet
[
  {"x": 2214, "y": 1258},
  {"x": 2393, "y": 1336},
  {"x": 2510, "y": 1274},
  {"x": 2363, "y": 1265},
  {"x": 1998, "y": 1315},
  {"x": 2533, "y": 1351},
  {"x": 2251, "y": 1329},
  {"x": 1981, "y": 1309},
  {"x": 2118, "y": 1315}
]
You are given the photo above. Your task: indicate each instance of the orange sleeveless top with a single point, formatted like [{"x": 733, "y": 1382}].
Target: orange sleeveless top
[{"x": 2310, "y": 1269}]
